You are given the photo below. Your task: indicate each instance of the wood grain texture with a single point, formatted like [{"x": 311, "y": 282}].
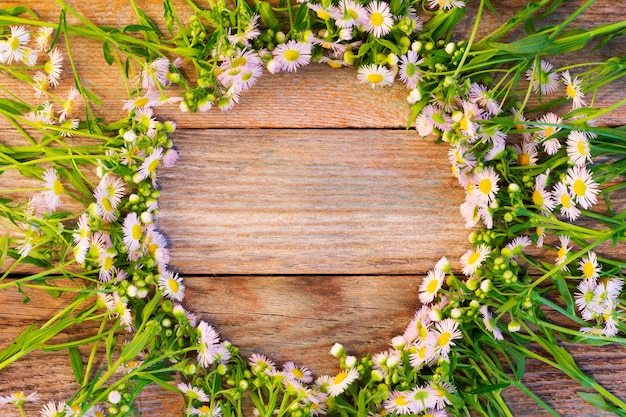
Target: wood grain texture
[
  {"x": 333, "y": 185},
  {"x": 309, "y": 201}
]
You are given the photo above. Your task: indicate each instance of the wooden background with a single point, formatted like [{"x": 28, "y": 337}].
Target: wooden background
[{"x": 306, "y": 216}]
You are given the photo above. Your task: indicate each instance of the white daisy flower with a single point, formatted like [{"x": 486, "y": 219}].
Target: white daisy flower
[
  {"x": 43, "y": 38},
  {"x": 54, "y": 66},
  {"x": 261, "y": 364},
  {"x": 573, "y": 90},
  {"x": 518, "y": 244},
  {"x": 300, "y": 374},
  {"x": 52, "y": 409},
  {"x": 193, "y": 393},
  {"x": 481, "y": 95},
  {"x": 430, "y": 286},
  {"x": 562, "y": 195},
  {"x": 489, "y": 323},
  {"x": 548, "y": 127},
  {"x": 578, "y": 149},
  {"x": 172, "y": 285},
  {"x": 133, "y": 232},
  {"x": 409, "y": 71},
  {"x": 379, "y": 19},
  {"x": 54, "y": 189},
  {"x": 422, "y": 398},
  {"x": 486, "y": 187},
  {"x": 398, "y": 402},
  {"x": 14, "y": 47},
  {"x": 542, "y": 198},
  {"x": 341, "y": 381},
  {"x": 563, "y": 250},
  {"x": 29, "y": 57},
  {"x": 582, "y": 186},
  {"x": 206, "y": 411},
  {"x": 150, "y": 98},
  {"x": 443, "y": 336},
  {"x": 526, "y": 153},
  {"x": 424, "y": 354},
  {"x": 589, "y": 266},
  {"x": 323, "y": 12},
  {"x": 445, "y": 4},
  {"x": 350, "y": 14},
  {"x": 543, "y": 79},
  {"x": 19, "y": 398},
  {"x": 155, "y": 74},
  {"x": 586, "y": 293},
  {"x": 144, "y": 116},
  {"x": 292, "y": 55},
  {"x": 473, "y": 259},
  {"x": 149, "y": 166},
  {"x": 375, "y": 75}
]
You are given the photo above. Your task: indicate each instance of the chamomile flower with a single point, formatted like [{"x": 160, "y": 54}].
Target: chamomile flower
[
  {"x": 300, "y": 374},
  {"x": 54, "y": 189},
  {"x": 446, "y": 4},
  {"x": 409, "y": 71},
  {"x": 489, "y": 323},
  {"x": 486, "y": 186},
  {"x": 54, "y": 66},
  {"x": 424, "y": 354},
  {"x": 375, "y": 75},
  {"x": 133, "y": 232},
  {"x": 261, "y": 364},
  {"x": 473, "y": 259},
  {"x": 481, "y": 95},
  {"x": 518, "y": 244},
  {"x": 541, "y": 197},
  {"x": 443, "y": 336},
  {"x": 398, "y": 402},
  {"x": 149, "y": 166},
  {"x": 586, "y": 293},
  {"x": 193, "y": 393},
  {"x": 548, "y": 126},
  {"x": 563, "y": 196},
  {"x": 14, "y": 47},
  {"x": 350, "y": 14},
  {"x": 149, "y": 99},
  {"x": 582, "y": 186},
  {"x": 589, "y": 266},
  {"x": 155, "y": 74},
  {"x": 206, "y": 411},
  {"x": 422, "y": 397},
  {"x": 430, "y": 286},
  {"x": 19, "y": 398},
  {"x": 172, "y": 285},
  {"x": 526, "y": 153},
  {"x": 578, "y": 149},
  {"x": 292, "y": 55},
  {"x": 424, "y": 123},
  {"x": 52, "y": 409},
  {"x": 563, "y": 250},
  {"x": 323, "y": 12},
  {"x": 40, "y": 84},
  {"x": 379, "y": 19},
  {"x": 543, "y": 78},
  {"x": 43, "y": 38},
  {"x": 573, "y": 90},
  {"x": 144, "y": 116},
  {"x": 341, "y": 381}
]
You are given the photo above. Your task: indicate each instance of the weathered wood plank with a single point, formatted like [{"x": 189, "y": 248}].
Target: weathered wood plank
[
  {"x": 295, "y": 318},
  {"x": 309, "y": 201}
]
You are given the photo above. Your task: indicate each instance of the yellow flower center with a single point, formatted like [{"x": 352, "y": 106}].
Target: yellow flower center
[
  {"x": 14, "y": 43},
  {"x": 136, "y": 232},
  {"x": 292, "y": 55},
  {"x": 204, "y": 409},
  {"x": 538, "y": 198},
  {"x": 334, "y": 64},
  {"x": 580, "y": 188},
  {"x": 234, "y": 71},
  {"x": 107, "y": 264},
  {"x": 523, "y": 159},
  {"x": 106, "y": 204},
  {"x": 444, "y": 338},
  {"x": 464, "y": 123},
  {"x": 153, "y": 166},
  {"x": 141, "y": 101},
  {"x": 582, "y": 148},
  {"x": 561, "y": 252},
  {"x": 48, "y": 67},
  {"x": 549, "y": 131},
  {"x": 588, "y": 269},
  {"x": 57, "y": 187},
  {"x": 375, "y": 78},
  {"x": 324, "y": 15},
  {"x": 297, "y": 373},
  {"x": 473, "y": 258},
  {"x": 238, "y": 62},
  {"x": 401, "y": 401},
  {"x": 173, "y": 284},
  {"x": 566, "y": 201},
  {"x": 432, "y": 286},
  {"x": 353, "y": 14},
  {"x": 340, "y": 378},
  {"x": 376, "y": 19},
  {"x": 423, "y": 332},
  {"x": 485, "y": 186},
  {"x": 571, "y": 92}
]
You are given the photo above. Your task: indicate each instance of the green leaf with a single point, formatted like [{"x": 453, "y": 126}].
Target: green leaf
[
  {"x": 141, "y": 340},
  {"x": 77, "y": 363},
  {"x": 16, "y": 11},
  {"x": 301, "y": 17},
  {"x": 596, "y": 400},
  {"x": 12, "y": 106},
  {"x": 159, "y": 379},
  {"x": 138, "y": 28},
  {"x": 489, "y": 388},
  {"x": 389, "y": 45},
  {"x": 531, "y": 45},
  {"x": 566, "y": 295},
  {"x": 73, "y": 177},
  {"x": 168, "y": 15},
  {"x": 267, "y": 15},
  {"x": 106, "y": 48}
]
